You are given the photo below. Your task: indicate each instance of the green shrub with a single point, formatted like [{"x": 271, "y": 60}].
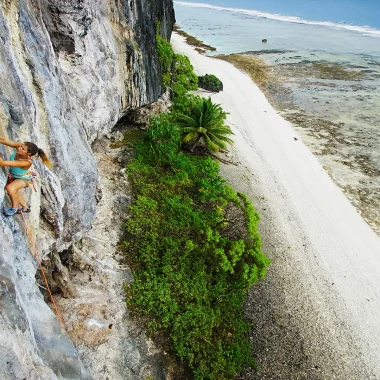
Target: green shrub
[
  {"x": 165, "y": 57},
  {"x": 163, "y": 140},
  {"x": 190, "y": 275},
  {"x": 182, "y": 104},
  {"x": 210, "y": 82},
  {"x": 184, "y": 78},
  {"x": 177, "y": 71}
]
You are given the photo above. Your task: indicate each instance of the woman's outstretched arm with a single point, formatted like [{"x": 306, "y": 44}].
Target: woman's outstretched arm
[
  {"x": 24, "y": 164},
  {"x": 10, "y": 143}
]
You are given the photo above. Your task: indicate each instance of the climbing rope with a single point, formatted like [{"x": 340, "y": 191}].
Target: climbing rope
[{"x": 34, "y": 250}]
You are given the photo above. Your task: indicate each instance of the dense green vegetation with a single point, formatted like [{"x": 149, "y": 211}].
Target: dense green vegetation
[
  {"x": 193, "y": 246},
  {"x": 191, "y": 266},
  {"x": 177, "y": 71}
]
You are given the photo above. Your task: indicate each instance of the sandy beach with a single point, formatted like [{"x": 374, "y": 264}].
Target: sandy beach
[{"x": 317, "y": 313}]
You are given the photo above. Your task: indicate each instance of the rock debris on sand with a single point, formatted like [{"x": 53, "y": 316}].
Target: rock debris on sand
[{"x": 317, "y": 313}]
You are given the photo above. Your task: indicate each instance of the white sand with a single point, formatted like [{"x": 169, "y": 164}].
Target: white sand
[{"x": 308, "y": 225}]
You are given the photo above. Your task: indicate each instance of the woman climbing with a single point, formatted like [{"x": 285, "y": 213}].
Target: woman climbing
[{"x": 20, "y": 175}]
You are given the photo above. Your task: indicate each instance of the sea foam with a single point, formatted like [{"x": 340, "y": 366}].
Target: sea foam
[{"x": 366, "y": 30}]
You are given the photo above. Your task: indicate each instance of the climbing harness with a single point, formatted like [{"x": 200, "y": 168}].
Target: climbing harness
[
  {"x": 31, "y": 180},
  {"x": 23, "y": 174},
  {"x": 35, "y": 253}
]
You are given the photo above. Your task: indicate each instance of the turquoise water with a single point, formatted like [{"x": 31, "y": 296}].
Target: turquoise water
[{"x": 338, "y": 119}]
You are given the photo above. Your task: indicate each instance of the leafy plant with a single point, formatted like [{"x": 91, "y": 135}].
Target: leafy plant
[
  {"x": 163, "y": 139},
  {"x": 183, "y": 103},
  {"x": 205, "y": 122},
  {"x": 184, "y": 78},
  {"x": 165, "y": 57},
  {"x": 177, "y": 71}
]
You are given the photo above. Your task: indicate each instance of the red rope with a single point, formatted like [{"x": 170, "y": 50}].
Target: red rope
[{"x": 34, "y": 250}]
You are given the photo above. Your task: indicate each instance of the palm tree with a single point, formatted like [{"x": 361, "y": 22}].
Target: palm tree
[{"x": 206, "y": 122}]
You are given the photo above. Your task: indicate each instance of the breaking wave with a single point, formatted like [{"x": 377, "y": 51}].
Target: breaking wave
[{"x": 366, "y": 30}]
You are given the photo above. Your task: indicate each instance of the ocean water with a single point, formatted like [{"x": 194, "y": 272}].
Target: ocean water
[
  {"x": 323, "y": 63},
  {"x": 354, "y": 12}
]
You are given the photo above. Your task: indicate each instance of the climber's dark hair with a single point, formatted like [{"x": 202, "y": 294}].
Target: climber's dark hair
[{"x": 33, "y": 149}]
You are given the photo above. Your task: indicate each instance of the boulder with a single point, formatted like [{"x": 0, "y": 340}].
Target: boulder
[{"x": 210, "y": 82}]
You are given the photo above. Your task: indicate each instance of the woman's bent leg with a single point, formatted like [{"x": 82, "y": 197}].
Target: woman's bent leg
[{"x": 12, "y": 189}]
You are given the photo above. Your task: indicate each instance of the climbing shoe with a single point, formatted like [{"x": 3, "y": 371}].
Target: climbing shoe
[
  {"x": 21, "y": 210},
  {"x": 11, "y": 211}
]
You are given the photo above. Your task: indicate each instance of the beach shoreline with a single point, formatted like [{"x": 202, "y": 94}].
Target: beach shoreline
[
  {"x": 316, "y": 314},
  {"x": 312, "y": 95}
]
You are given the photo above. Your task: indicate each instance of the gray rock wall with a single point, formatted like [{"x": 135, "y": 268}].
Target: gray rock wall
[{"x": 69, "y": 69}]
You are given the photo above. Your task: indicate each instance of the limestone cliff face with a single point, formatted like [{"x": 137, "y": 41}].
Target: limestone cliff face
[{"x": 69, "y": 70}]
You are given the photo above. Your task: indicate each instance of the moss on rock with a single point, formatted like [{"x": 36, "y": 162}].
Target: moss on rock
[{"x": 210, "y": 82}]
